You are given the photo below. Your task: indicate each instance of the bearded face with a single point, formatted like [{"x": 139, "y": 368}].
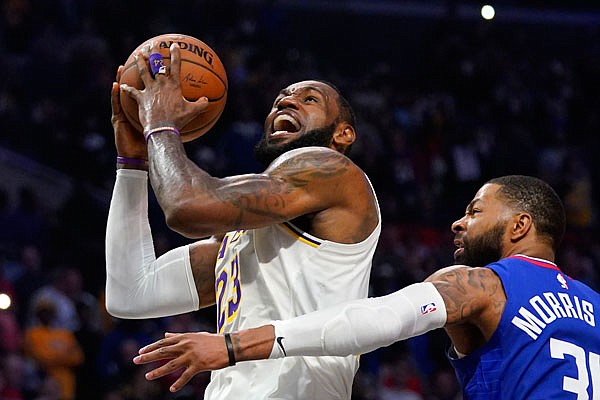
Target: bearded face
[
  {"x": 484, "y": 249},
  {"x": 266, "y": 152}
]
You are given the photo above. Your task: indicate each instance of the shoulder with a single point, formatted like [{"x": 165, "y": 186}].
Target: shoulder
[
  {"x": 463, "y": 273},
  {"x": 312, "y": 157},
  {"x": 318, "y": 165},
  {"x": 469, "y": 292}
]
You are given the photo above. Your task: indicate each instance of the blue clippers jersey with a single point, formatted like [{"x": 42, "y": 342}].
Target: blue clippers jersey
[{"x": 547, "y": 345}]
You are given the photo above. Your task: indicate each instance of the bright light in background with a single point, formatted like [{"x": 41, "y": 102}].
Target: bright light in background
[
  {"x": 4, "y": 301},
  {"x": 488, "y": 12}
]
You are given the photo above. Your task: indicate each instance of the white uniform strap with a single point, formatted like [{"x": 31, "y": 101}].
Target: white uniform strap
[
  {"x": 361, "y": 326},
  {"x": 138, "y": 285}
]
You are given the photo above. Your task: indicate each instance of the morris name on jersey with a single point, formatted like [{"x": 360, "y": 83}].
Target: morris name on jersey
[{"x": 549, "y": 307}]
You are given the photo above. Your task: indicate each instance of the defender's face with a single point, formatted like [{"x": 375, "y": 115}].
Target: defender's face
[{"x": 479, "y": 234}]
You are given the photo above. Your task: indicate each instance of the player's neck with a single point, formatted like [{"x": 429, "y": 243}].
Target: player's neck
[{"x": 535, "y": 250}]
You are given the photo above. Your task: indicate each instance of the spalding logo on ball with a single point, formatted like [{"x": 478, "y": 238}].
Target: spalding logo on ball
[{"x": 202, "y": 74}]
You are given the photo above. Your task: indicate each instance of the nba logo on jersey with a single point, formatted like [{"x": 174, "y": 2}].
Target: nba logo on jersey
[
  {"x": 563, "y": 282},
  {"x": 428, "y": 308}
]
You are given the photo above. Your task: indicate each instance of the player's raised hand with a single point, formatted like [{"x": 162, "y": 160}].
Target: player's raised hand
[
  {"x": 161, "y": 102},
  {"x": 129, "y": 142}
]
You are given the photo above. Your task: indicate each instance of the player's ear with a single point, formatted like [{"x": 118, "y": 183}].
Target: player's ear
[
  {"x": 520, "y": 225},
  {"x": 343, "y": 136}
]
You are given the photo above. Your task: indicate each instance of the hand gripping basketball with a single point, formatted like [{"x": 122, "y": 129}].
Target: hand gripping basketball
[
  {"x": 201, "y": 74},
  {"x": 161, "y": 103}
]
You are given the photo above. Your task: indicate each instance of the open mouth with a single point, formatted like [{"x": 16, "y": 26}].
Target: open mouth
[
  {"x": 460, "y": 248},
  {"x": 458, "y": 253},
  {"x": 285, "y": 123}
]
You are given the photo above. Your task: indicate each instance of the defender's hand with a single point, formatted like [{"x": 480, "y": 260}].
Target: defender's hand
[{"x": 193, "y": 352}]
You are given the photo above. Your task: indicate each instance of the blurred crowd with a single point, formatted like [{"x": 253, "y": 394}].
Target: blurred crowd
[{"x": 442, "y": 106}]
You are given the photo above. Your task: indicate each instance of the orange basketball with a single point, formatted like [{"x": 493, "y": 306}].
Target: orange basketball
[{"x": 202, "y": 74}]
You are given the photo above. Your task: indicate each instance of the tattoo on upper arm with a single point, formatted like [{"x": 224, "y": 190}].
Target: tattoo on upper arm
[
  {"x": 309, "y": 167},
  {"x": 264, "y": 195},
  {"x": 469, "y": 291},
  {"x": 268, "y": 198}
]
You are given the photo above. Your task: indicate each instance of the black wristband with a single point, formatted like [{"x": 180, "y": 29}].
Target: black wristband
[{"x": 229, "y": 349}]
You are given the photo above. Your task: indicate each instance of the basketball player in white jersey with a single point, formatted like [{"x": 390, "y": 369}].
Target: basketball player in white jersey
[{"x": 296, "y": 238}]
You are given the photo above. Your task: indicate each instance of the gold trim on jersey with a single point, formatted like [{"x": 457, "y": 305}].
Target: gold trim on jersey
[{"x": 292, "y": 230}]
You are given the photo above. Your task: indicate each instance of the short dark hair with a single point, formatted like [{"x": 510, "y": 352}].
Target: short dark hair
[
  {"x": 346, "y": 111},
  {"x": 537, "y": 198}
]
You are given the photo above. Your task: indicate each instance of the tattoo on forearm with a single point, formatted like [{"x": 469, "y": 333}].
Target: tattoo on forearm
[{"x": 238, "y": 351}]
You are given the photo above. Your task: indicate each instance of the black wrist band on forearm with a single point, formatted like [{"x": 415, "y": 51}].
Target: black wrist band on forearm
[{"x": 229, "y": 349}]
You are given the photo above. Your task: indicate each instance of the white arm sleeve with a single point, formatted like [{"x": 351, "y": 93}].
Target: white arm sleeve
[
  {"x": 138, "y": 285},
  {"x": 361, "y": 326}
]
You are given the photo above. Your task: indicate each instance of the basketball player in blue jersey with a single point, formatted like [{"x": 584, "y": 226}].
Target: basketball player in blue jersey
[
  {"x": 296, "y": 238},
  {"x": 520, "y": 328}
]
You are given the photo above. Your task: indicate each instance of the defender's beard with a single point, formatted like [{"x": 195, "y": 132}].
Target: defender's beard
[
  {"x": 485, "y": 249},
  {"x": 265, "y": 152}
]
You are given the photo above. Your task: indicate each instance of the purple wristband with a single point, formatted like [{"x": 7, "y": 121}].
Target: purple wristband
[
  {"x": 161, "y": 129},
  {"x": 156, "y": 61},
  {"x": 130, "y": 161}
]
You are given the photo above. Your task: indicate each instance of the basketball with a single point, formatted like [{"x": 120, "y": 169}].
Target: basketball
[{"x": 202, "y": 74}]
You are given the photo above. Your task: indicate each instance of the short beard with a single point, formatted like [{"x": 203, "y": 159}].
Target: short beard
[
  {"x": 483, "y": 250},
  {"x": 265, "y": 153}
]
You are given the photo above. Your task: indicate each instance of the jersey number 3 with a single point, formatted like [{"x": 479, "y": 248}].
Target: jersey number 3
[{"x": 579, "y": 384}]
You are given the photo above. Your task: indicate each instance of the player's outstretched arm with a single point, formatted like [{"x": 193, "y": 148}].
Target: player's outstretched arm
[
  {"x": 355, "y": 327},
  {"x": 195, "y": 352}
]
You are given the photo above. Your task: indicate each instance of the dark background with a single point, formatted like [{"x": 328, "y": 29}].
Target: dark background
[{"x": 444, "y": 100}]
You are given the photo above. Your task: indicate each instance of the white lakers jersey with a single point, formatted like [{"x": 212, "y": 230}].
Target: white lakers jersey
[{"x": 280, "y": 272}]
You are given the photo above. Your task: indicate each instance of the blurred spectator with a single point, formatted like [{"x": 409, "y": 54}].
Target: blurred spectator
[
  {"x": 399, "y": 381},
  {"x": 118, "y": 347},
  {"x": 443, "y": 385},
  {"x": 65, "y": 284},
  {"x": 28, "y": 222},
  {"x": 28, "y": 277},
  {"x": 89, "y": 335},
  {"x": 12, "y": 376},
  {"x": 19, "y": 373},
  {"x": 49, "y": 389},
  {"x": 11, "y": 334},
  {"x": 54, "y": 349}
]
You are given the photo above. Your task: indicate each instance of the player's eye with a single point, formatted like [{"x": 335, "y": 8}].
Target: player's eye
[
  {"x": 472, "y": 211},
  {"x": 311, "y": 99}
]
